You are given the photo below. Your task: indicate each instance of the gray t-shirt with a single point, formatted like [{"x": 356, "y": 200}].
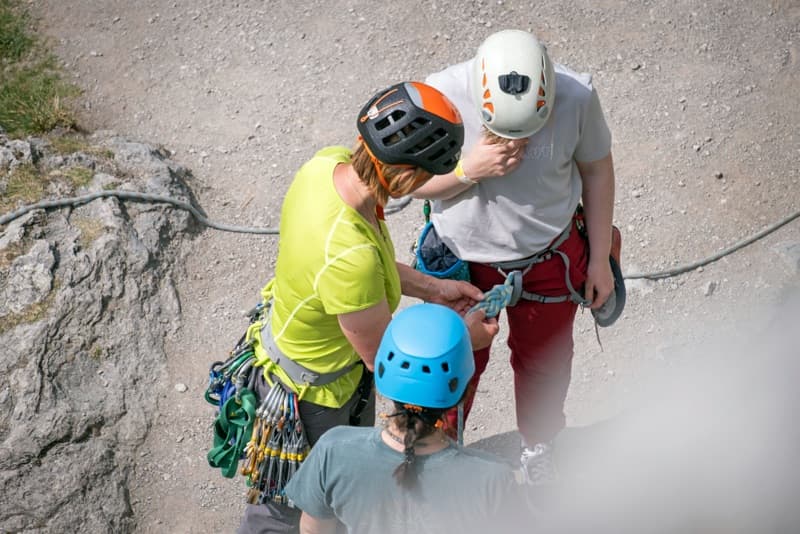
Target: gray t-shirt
[
  {"x": 516, "y": 215},
  {"x": 348, "y": 475}
]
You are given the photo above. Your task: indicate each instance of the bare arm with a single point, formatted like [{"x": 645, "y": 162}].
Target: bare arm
[
  {"x": 311, "y": 525},
  {"x": 485, "y": 160},
  {"x": 364, "y": 330},
  {"x": 598, "y": 203}
]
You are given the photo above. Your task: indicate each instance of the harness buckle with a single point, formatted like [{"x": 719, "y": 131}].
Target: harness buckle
[{"x": 516, "y": 287}]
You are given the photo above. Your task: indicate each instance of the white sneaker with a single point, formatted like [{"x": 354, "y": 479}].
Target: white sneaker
[{"x": 538, "y": 466}]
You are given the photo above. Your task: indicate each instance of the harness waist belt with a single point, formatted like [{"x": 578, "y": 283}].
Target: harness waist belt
[
  {"x": 539, "y": 257},
  {"x": 298, "y": 373}
]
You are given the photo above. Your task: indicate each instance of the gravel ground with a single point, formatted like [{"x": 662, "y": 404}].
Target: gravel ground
[{"x": 701, "y": 97}]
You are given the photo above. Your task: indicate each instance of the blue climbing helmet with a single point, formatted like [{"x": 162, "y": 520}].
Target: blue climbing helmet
[{"x": 425, "y": 357}]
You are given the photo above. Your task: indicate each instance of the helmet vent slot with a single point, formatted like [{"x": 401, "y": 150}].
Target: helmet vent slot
[
  {"x": 452, "y": 385},
  {"x": 405, "y": 365},
  {"x": 390, "y": 356},
  {"x": 445, "y": 367},
  {"x": 390, "y": 119},
  {"x": 426, "y": 369},
  {"x": 381, "y": 370}
]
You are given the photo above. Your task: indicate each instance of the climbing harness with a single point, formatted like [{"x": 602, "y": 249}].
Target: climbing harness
[
  {"x": 266, "y": 435},
  {"x": 511, "y": 291},
  {"x": 299, "y": 374}
]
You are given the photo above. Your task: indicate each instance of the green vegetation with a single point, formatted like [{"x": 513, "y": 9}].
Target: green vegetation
[
  {"x": 31, "y": 314},
  {"x": 68, "y": 144},
  {"x": 33, "y": 94},
  {"x": 25, "y": 184},
  {"x": 90, "y": 229},
  {"x": 79, "y": 176},
  {"x": 10, "y": 253}
]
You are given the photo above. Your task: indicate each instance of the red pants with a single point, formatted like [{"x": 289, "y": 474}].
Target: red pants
[{"x": 540, "y": 339}]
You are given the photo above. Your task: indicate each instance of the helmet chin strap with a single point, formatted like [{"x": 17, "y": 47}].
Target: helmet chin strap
[{"x": 378, "y": 167}]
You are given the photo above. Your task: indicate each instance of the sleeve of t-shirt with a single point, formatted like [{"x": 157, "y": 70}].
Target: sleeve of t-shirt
[
  {"x": 306, "y": 488},
  {"x": 352, "y": 281},
  {"x": 595, "y": 137}
]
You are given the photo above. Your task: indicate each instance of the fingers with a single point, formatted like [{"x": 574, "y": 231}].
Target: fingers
[
  {"x": 481, "y": 330},
  {"x": 588, "y": 294},
  {"x": 476, "y": 316},
  {"x": 470, "y": 291}
]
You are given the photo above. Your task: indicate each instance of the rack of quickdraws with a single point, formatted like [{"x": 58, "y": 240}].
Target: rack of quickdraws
[
  {"x": 277, "y": 448},
  {"x": 267, "y": 436}
]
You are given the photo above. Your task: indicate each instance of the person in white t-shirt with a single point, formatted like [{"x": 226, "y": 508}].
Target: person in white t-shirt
[{"x": 536, "y": 146}]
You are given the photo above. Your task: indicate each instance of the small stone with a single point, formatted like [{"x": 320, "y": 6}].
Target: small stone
[
  {"x": 696, "y": 148},
  {"x": 179, "y": 439},
  {"x": 682, "y": 99},
  {"x": 709, "y": 289},
  {"x": 636, "y": 66},
  {"x": 718, "y": 175},
  {"x": 180, "y": 387}
]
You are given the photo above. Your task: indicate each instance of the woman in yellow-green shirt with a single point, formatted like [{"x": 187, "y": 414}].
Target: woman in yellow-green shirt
[{"x": 337, "y": 281}]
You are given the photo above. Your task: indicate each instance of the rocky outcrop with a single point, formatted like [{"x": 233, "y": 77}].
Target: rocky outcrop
[{"x": 86, "y": 300}]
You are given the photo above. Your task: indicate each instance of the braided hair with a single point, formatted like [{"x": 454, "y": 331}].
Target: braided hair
[{"x": 418, "y": 423}]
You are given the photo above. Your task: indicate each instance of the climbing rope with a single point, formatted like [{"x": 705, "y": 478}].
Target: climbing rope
[
  {"x": 721, "y": 254},
  {"x": 496, "y": 298},
  {"x": 394, "y": 206}
]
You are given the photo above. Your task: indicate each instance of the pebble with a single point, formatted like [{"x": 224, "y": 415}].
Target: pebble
[
  {"x": 180, "y": 387},
  {"x": 718, "y": 175},
  {"x": 709, "y": 289}
]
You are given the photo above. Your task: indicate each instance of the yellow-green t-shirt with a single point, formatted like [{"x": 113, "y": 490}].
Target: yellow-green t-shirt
[{"x": 330, "y": 261}]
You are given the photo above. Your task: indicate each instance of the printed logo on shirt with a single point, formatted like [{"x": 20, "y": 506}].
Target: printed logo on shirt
[{"x": 536, "y": 152}]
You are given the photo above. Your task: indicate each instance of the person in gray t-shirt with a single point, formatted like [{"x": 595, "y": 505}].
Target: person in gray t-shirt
[
  {"x": 536, "y": 145},
  {"x": 409, "y": 477}
]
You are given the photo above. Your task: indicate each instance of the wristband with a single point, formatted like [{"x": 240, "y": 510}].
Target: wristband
[{"x": 459, "y": 172}]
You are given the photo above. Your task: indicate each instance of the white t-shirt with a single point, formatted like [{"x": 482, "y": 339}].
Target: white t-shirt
[{"x": 516, "y": 215}]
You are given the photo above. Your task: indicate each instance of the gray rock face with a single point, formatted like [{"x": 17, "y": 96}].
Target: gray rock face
[{"x": 86, "y": 300}]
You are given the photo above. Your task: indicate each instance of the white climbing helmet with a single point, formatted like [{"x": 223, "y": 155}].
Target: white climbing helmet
[{"x": 515, "y": 84}]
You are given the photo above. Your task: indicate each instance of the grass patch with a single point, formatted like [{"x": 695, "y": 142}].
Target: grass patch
[
  {"x": 79, "y": 176},
  {"x": 10, "y": 253},
  {"x": 69, "y": 144},
  {"x": 25, "y": 184},
  {"x": 35, "y": 312},
  {"x": 90, "y": 230},
  {"x": 15, "y": 42},
  {"x": 33, "y": 95}
]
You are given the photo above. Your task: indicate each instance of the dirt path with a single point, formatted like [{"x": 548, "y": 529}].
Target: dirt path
[{"x": 701, "y": 97}]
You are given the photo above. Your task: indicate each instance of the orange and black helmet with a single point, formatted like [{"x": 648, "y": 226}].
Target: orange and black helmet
[{"x": 412, "y": 123}]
